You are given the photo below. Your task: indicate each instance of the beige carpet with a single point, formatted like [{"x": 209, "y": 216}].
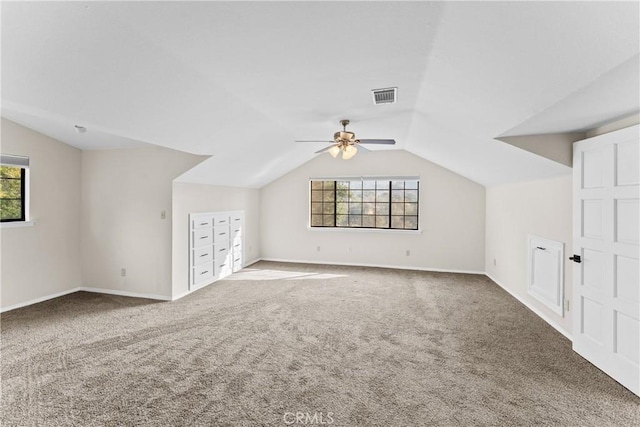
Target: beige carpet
[{"x": 350, "y": 346}]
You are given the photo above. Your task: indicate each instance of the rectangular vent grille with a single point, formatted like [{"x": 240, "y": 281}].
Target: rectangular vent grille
[{"x": 384, "y": 96}]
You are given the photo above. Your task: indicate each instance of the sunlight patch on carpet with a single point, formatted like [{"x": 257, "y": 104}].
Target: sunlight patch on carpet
[{"x": 258, "y": 274}]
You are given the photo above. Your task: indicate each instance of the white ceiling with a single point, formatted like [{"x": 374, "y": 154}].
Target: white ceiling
[{"x": 241, "y": 81}]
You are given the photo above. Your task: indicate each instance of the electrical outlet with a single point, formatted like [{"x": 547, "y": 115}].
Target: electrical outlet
[
  {"x": 123, "y": 272},
  {"x": 408, "y": 253},
  {"x": 318, "y": 249},
  {"x": 349, "y": 250},
  {"x": 163, "y": 215},
  {"x": 494, "y": 262}
]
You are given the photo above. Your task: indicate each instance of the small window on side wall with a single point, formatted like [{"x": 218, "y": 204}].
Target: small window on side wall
[
  {"x": 365, "y": 203},
  {"x": 13, "y": 188}
]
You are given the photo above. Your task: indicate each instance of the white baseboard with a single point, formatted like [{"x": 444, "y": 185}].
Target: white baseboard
[
  {"x": 253, "y": 261},
  {"x": 125, "y": 293},
  {"x": 184, "y": 294},
  {"x": 190, "y": 291},
  {"x": 543, "y": 316},
  {"x": 85, "y": 289},
  {"x": 40, "y": 299},
  {"x": 397, "y": 267}
]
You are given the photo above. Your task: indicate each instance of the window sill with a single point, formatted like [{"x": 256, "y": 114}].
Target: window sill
[
  {"x": 17, "y": 224},
  {"x": 363, "y": 230}
]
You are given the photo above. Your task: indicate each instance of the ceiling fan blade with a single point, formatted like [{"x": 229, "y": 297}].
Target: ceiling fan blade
[
  {"x": 325, "y": 148},
  {"x": 310, "y": 140},
  {"x": 378, "y": 141},
  {"x": 363, "y": 147}
]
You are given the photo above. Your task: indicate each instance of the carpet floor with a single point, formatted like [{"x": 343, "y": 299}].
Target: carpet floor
[{"x": 292, "y": 344}]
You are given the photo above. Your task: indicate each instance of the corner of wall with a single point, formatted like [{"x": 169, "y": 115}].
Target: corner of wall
[
  {"x": 127, "y": 218},
  {"x": 515, "y": 211}
]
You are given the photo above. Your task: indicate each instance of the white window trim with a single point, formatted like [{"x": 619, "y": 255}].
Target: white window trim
[
  {"x": 367, "y": 177},
  {"x": 17, "y": 224},
  {"x": 362, "y": 230}
]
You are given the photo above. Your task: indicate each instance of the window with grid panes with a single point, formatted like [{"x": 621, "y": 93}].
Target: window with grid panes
[
  {"x": 365, "y": 203},
  {"x": 13, "y": 188}
]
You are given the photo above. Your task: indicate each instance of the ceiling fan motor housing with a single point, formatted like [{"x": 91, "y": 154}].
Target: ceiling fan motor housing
[{"x": 343, "y": 136}]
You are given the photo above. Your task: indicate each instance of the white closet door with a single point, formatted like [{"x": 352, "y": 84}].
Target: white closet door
[
  {"x": 223, "y": 257},
  {"x": 201, "y": 255},
  {"x": 606, "y": 238},
  {"x": 237, "y": 224}
]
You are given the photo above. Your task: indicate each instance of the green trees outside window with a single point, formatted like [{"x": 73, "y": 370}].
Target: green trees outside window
[{"x": 12, "y": 193}]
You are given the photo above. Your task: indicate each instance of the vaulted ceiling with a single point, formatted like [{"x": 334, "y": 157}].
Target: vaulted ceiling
[{"x": 240, "y": 81}]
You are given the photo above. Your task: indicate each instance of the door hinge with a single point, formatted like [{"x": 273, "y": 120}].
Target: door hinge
[{"x": 566, "y": 305}]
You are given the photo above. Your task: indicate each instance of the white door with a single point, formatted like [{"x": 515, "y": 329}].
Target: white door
[{"x": 606, "y": 284}]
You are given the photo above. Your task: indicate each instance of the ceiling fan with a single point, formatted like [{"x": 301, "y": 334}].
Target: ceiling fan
[{"x": 345, "y": 142}]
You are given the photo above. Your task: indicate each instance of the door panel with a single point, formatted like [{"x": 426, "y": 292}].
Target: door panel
[
  {"x": 627, "y": 214},
  {"x": 592, "y": 319},
  {"x": 627, "y": 330},
  {"x": 592, "y": 161},
  {"x": 592, "y": 219},
  {"x": 627, "y": 279},
  {"x": 627, "y": 171},
  {"x": 592, "y": 269}
]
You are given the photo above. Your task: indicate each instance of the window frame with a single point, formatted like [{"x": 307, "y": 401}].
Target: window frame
[
  {"x": 22, "y": 162},
  {"x": 389, "y": 203}
]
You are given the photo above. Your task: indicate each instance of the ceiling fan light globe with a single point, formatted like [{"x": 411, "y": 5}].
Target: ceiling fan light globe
[
  {"x": 334, "y": 151},
  {"x": 349, "y": 152}
]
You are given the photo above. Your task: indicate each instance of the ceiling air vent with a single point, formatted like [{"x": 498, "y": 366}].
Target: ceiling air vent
[{"x": 385, "y": 96}]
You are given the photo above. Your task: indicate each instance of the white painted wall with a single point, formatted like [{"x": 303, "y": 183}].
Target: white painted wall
[
  {"x": 542, "y": 208},
  {"x": 514, "y": 211},
  {"x": 452, "y": 218},
  {"x": 554, "y": 146},
  {"x": 192, "y": 198},
  {"x": 124, "y": 192},
  {"x": 42, "y": 260}
]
